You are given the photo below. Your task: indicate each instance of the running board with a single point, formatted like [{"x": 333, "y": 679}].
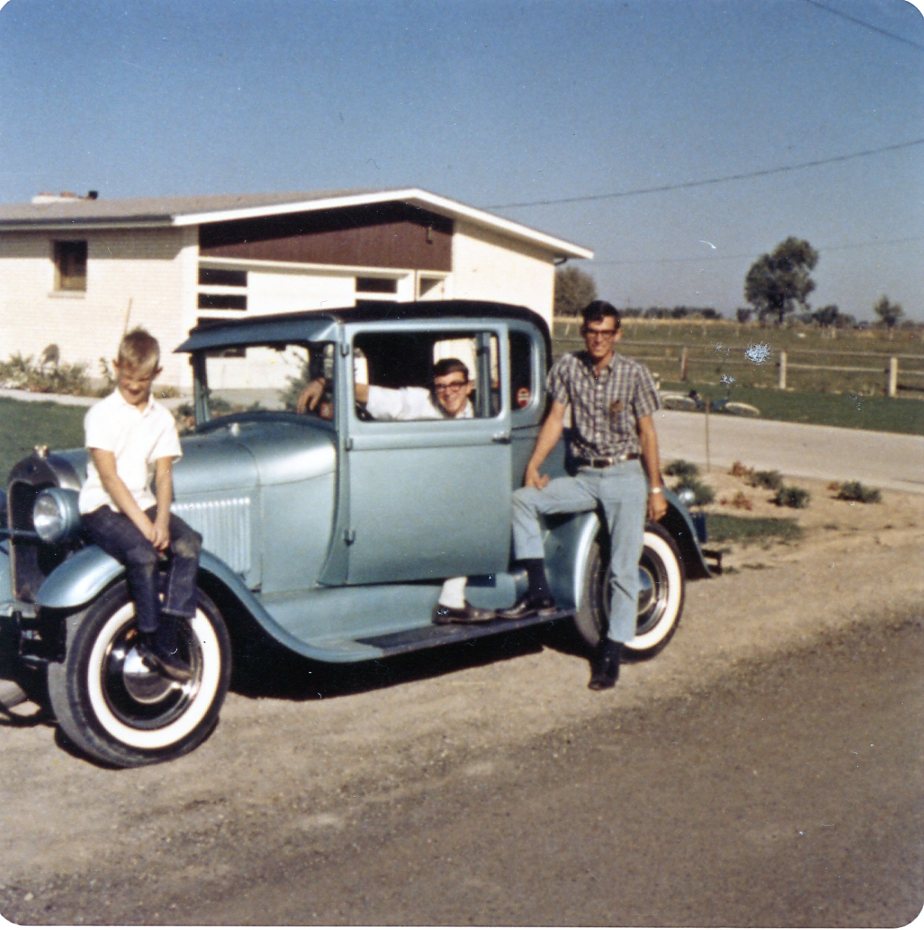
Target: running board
[{"x": 426, "y": 637}]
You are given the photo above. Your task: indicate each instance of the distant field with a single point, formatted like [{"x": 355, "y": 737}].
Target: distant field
[
  {"x": 717, "y": 349},
  {"x": 721, "y": 362}
]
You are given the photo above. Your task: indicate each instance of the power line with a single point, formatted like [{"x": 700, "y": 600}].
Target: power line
[
  {"x": 751, "y": 256},
  {"x": 864, "y": 24},
  {"x": 703, "y": 183}
]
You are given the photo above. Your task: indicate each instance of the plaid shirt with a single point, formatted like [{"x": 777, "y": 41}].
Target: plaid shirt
[{"x": 605, "y": 410}]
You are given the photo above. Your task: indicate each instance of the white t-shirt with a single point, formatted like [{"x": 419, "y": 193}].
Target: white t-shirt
[
  {"x": 137, "y": 438},
  {"x": 410, "y": 403}
]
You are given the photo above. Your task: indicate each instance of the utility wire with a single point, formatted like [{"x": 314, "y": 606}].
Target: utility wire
[
  {"x": 703, "y": 183},
  {"x": 724, "y": 258},
  {"x": 864, "y": 24}
]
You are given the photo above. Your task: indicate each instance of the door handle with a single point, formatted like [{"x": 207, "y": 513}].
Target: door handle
[{"x": 502, "y": 438}]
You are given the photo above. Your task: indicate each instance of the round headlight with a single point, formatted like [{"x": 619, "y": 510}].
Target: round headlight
[
  {"x": 55, "y": 515},
  {"x": 687, "y": 496}
]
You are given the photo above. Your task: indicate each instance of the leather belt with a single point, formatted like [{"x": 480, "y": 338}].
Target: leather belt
[{"x": 605, "y": 461}]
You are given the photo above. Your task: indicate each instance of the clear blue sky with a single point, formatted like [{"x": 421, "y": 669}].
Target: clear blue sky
[{"x": 501, "y": 102}]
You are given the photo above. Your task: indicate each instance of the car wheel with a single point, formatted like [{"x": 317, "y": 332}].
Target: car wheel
[
  {"x": 660, "y": 601},
  {"x": 117, "y": 710}
]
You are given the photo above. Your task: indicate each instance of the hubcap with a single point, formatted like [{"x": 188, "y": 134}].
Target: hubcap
[
  {"x": 652, "y": 595},
  {"x": 139, "y": 696}
]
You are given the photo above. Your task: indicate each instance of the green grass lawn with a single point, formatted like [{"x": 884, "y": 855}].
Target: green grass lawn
[
  {"x": 887, "y": 414},
  {"x": 728, "y": 528},
  {"x": 25, "y": 425}
]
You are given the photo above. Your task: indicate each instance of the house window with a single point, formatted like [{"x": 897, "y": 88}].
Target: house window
[
  {"x": 71, "y": 265},
  {"x": 376, "y": 285},
  {"x": 222, "y": 289}
]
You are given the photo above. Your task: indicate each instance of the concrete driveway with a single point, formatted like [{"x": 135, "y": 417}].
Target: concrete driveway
[{"x": 883, "y": 460}]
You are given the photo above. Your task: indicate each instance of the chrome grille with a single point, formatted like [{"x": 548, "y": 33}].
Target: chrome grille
[{"x": 225, "y": 528}]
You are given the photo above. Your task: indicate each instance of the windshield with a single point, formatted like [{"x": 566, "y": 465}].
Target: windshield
[{"x": 267, "y": 378}]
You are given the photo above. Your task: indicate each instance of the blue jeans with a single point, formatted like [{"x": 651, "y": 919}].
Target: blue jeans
[
  {"x": 115, "y": 534},
  {"x": 621, "y": 491}
]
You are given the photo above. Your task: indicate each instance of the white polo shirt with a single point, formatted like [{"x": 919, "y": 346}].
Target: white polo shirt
[
  {"x": 137, "y": 438},
  {"x": 410, "y": 403}
]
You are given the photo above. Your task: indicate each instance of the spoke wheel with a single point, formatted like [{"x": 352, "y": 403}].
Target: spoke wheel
[{"x": 116, "y": 709}]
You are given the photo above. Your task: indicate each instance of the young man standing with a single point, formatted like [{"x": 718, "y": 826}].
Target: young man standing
[{"x": 612, "y": 399}]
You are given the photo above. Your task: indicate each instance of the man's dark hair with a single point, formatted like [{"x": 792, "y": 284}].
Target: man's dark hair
[
  {"x": 597, "y": 310},
  {"x": 446, "y": 366}
]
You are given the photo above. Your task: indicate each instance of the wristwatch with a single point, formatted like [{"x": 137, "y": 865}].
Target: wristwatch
[{"x": 658, "y": 490}]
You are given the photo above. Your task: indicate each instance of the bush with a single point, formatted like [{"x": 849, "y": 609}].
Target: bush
[
  {"x": 683, "y": 470},
  {"x": 855, "y": 491},
  {"x": 46, "y": 377},
  {"x": 771, "y": 480},
  {"x": 792, "y": 497}
]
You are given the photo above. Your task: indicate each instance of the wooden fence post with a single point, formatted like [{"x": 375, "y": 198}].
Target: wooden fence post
[
  {"x": 782, "y": 381},
  {"x": 684, "y": 362},
  {"x": 892, "y": 378}
]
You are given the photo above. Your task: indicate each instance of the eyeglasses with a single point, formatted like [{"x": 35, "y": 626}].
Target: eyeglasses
[
  {"x": 599, "y": 333},
  {"x": 453, "y": 387}
]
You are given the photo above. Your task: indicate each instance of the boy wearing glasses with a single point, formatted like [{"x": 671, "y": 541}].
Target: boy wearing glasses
[
  {"x": 615, "y": 448},
  {"x": 448, "y": 398}
]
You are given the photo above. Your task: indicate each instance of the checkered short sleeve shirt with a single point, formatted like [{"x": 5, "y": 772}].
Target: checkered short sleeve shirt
[{"x": 605, "y": 409}]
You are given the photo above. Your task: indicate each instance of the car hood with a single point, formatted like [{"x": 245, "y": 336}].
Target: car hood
[
  {"x": 247, "y": 455},
  {"x": 241, "y": 456}
]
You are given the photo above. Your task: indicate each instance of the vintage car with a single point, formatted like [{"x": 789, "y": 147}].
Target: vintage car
[{"x": 328, "y": 531}]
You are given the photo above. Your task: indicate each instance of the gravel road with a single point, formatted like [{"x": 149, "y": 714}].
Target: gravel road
[{"x": 312, "y": 775}]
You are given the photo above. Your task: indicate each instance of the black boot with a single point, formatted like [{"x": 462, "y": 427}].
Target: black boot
[
  {"x": 158, "y": 657},
  {"x": 604, "y": 665}
]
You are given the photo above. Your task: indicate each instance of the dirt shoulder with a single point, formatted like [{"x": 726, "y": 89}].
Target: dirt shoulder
[{"x": 298, "y": 758}]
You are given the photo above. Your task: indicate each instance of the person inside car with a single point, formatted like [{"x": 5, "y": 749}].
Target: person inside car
[{"x": 448, "y": 397}]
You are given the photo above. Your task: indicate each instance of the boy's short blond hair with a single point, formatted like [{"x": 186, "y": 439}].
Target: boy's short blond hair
[{"x": 139, "y": 349}]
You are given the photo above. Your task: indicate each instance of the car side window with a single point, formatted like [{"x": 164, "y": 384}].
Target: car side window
[{"x": 447, "y": 375}]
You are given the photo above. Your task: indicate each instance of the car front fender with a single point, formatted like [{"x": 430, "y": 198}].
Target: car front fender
[{"x": 88, "y": 573}]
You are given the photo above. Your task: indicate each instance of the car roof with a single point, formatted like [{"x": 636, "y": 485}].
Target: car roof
[{"x": 321, "y": 324}]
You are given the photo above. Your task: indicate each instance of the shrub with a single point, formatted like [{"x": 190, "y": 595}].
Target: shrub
[
  {"x": 792, "y": 497},
  {"x": 855, "y": 491},
  {"x": 46, "y": 377},
  {"x": 683, "y": 470},
  {"x": 771, "y": 480},
  {"x": 740, "y": 470},
  {"x": 740, "y": 502}
]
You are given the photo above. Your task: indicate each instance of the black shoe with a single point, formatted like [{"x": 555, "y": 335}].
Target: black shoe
[
  {"x": 161, "y": 661},
  {"x": 466, "y": 614},
  {"x": 529, "y": 606},
  {"x": 604, "y": 666}
]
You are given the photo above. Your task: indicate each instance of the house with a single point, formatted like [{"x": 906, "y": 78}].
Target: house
[{"x": 76, "y": 271}]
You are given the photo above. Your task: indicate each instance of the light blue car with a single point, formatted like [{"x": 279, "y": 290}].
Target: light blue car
[{"x": 329, "y": 530}]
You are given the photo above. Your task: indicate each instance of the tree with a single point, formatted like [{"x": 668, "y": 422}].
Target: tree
[
  {"x": 889, "y": 314},
  {"x": 779, "y": 282},
  {"x": 574, "y": 290},
  {"x": 826, "y": 316}
]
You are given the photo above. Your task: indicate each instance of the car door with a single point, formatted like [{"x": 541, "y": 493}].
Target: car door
[{"x": 430, "y": 498}]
